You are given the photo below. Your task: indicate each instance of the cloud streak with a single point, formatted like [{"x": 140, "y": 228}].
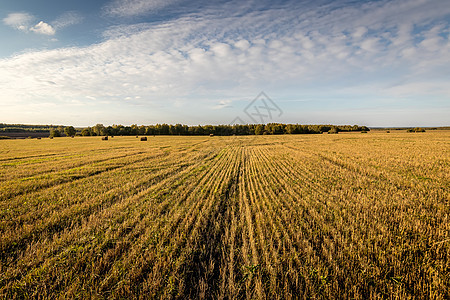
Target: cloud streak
[
  {"x": 132, "y": 8},
  {"x": 67, "y": 19}
]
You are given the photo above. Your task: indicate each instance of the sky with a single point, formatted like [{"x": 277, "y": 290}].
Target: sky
[{"x": 373, "y": 63}]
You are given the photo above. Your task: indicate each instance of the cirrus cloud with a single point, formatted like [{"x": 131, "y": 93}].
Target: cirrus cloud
[
  {"x": 67, "y": 19},
  {"x": 131, "y": 8}
]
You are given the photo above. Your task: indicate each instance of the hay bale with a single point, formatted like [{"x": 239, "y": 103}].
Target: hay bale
[
  {"x": 105, "y": 138},
  {"x": 143, "y": 138}
]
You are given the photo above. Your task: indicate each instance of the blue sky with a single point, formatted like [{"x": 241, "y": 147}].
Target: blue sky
[{"x": 375, "y": 63}]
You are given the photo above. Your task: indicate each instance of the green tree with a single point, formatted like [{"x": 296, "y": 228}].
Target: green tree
[
  {"x": 259, "y": 129},
  {"x": 86, "y": 132},
  {"x": 55, "y": 132},
  {"x": 134, "y": 129},
  {"x": 70, "y": 131},
  {"x": 334, "y": 130},
  {"x": 99, "y": 129}
]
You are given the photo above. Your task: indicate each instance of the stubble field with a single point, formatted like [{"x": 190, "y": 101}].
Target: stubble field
[{"x": 254, "y": 217}]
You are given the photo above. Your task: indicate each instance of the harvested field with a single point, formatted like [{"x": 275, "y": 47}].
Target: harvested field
[{"x": 244, "y": 217}]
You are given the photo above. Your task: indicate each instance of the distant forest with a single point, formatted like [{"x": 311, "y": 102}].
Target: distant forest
[
  {"x": 178, "y": 129},
  {"x": 21, "y": 128}
]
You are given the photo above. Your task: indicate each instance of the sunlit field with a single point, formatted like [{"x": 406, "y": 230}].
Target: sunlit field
[{"x": 348, "y": 215}]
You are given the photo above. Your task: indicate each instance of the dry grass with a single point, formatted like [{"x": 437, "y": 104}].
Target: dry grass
[{"x": 306, "y": 216}]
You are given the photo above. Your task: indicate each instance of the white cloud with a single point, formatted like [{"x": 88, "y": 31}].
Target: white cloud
[
  {"x": 359, "y": 32},
  {"x": 20, "y": 21},
  {"x": 223, "y": 104},
  {"x": 43, "y": 28},
  {"x": 370, "y": 44},
  {"x": 24, "y": 22},
  {"x": 130, "y": 8},
  {"x": 242, "y": 44}
]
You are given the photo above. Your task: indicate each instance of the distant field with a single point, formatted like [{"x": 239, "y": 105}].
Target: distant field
[{"x": 295, "y": 216}]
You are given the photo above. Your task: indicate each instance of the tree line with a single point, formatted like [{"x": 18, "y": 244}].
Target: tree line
[
  {"x": 179, "y": 129},
  {"x": 249, "y": 129},
  {"x": 24, "y": 128}
]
